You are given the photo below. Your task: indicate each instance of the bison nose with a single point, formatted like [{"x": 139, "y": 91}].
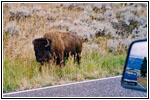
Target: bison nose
[{"x": 39, "y": 59}]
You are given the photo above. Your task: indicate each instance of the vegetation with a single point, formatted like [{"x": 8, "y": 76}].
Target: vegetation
[
  {"x": 143, "y": 81},
  {"x": 104, "y": 48},
  {"x": 21, "y": 74},
  {"x": 144, "y": 68}
]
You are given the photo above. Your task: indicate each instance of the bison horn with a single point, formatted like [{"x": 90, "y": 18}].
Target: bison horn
[{"x": 47, "y": 43}]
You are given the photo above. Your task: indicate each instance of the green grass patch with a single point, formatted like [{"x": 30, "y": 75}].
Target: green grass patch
[{"x": 25, "y": 74}]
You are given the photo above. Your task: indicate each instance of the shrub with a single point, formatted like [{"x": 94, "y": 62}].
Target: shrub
[
  {"x": 112, "y": 45},
  {"x": 19, "y": 13},
  {"x": 140, "y": 32},
  {"x": 11, "y": 28},
  {"x": 125, "y": 43},
  {"x": 119, "y": 45}
]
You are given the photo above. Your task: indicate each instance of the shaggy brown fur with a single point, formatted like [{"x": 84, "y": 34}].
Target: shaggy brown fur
[{"x": 62, "y": 45}]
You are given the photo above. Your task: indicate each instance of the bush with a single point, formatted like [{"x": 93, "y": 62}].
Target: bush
[
  {"x": 119, "y": 45},
  {"x": 11, "y": 28},
  {"x": 19, "y": 13},
  {"x": 112, "y": 45}
]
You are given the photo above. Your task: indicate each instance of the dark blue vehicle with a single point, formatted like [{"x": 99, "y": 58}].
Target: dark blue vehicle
[{"x": 130, "y": 77}]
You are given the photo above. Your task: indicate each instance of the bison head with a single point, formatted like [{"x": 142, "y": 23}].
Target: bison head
[{"x": 42, "y": 48}]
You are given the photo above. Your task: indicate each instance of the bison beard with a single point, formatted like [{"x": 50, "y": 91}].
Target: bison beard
[{"x": 57, "y": 46}]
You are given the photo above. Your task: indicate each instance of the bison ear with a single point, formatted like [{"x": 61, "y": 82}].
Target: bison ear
[{"x": 48, "y": 42}]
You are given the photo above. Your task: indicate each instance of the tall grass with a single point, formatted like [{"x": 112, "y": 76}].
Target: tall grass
[
  {"x": 20, "y": 75},
  {"x": 20, "y": 69}
]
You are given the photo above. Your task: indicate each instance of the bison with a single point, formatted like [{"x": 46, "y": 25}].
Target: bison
[{"x": 57, "y": 46}]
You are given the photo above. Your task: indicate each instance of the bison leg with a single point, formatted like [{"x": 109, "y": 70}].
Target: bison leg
[
  {"x": 65, "y": 59},
  {"x": 75, "y": 57},
  {"x": 66, "y": 55},
  {"x": 78, "y": 58},
  {"x": 60, "y": 60}
]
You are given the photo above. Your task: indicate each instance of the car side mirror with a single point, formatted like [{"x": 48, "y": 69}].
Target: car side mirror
[{"x": 135, "y": 69}]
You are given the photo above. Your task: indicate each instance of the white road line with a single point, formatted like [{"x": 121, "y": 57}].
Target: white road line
[
  {"x": 62, "y": 85},
  {"x": 141, "y": 85}
]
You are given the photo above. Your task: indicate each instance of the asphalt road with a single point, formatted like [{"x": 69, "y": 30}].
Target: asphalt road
[{"x": 107, "y": 87}]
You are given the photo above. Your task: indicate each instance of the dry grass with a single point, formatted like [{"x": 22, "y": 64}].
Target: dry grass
[
  {"x": 20, "y": 69},
  {"x": 24, "y": 74},
  {"x": 143, "y": 81}
]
